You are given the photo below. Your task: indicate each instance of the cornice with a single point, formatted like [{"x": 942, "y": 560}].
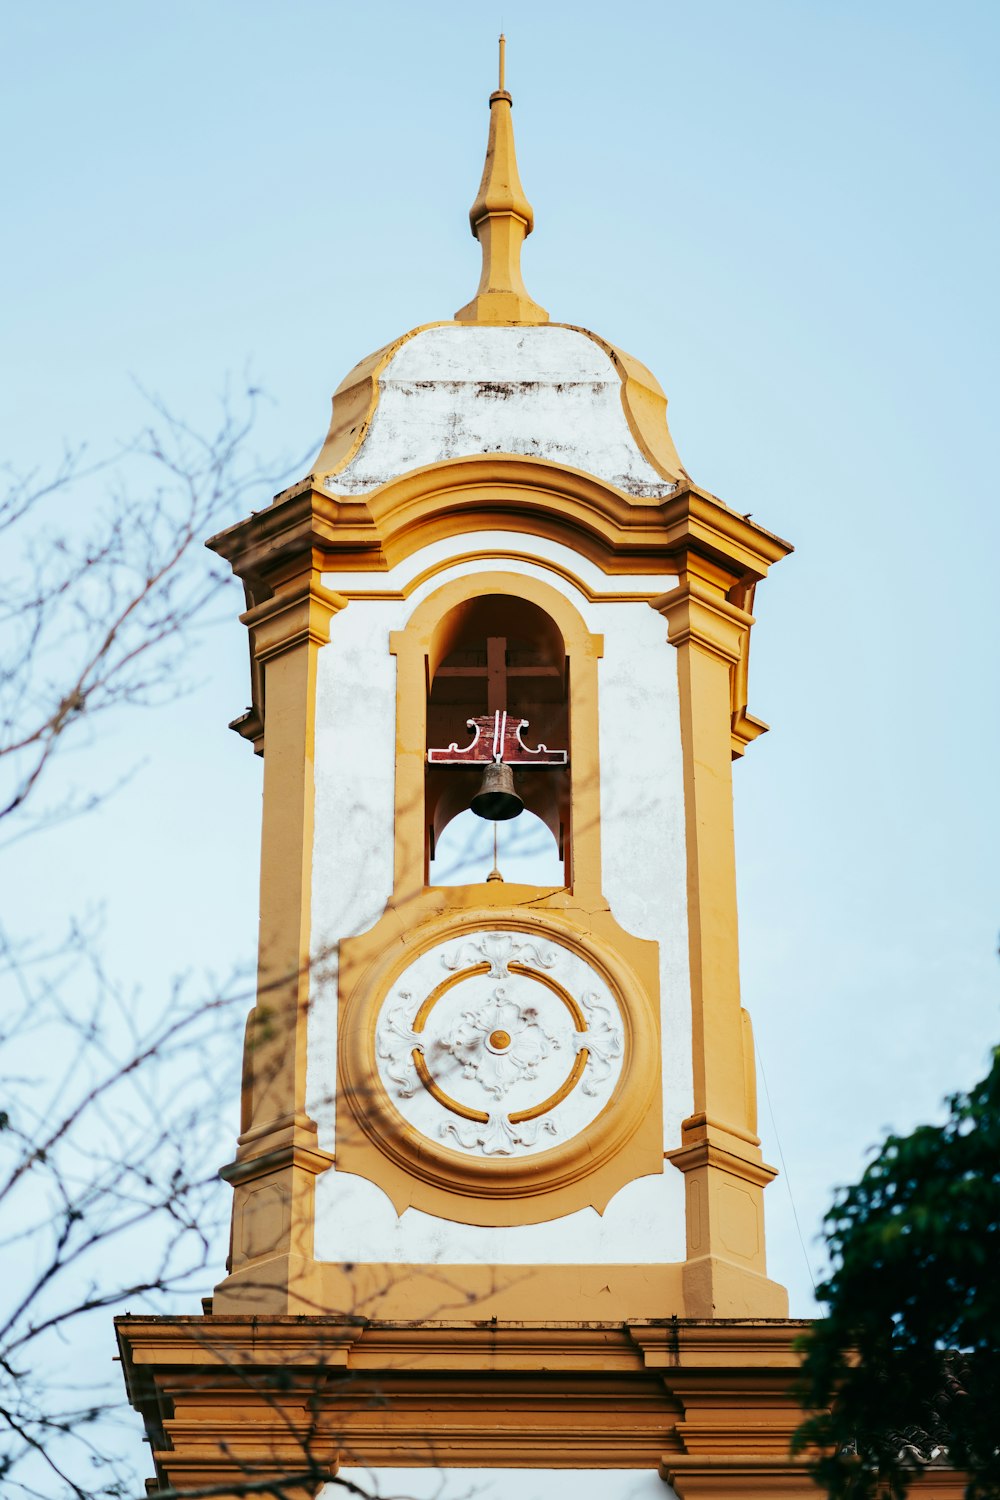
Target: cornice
[
  {"x": 719, "y": 554},
  {"x": 695, "y": 612},
  {"x": 545, "y": 1394},
  {"x": 719, "y": 1343},
  {"x": 721, "y": 1477},
  {"x": 497, "y": 491},
  {"x": 247, "y": 1169},
  {"x": 298, "y": 615},
  {"x": 677, "y": 1344}
]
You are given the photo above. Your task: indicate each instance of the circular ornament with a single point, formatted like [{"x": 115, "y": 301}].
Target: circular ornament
[{"x": 500, "y": 1044}]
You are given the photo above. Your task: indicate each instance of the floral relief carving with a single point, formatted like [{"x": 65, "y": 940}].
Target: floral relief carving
[
  {"x": 395, "y": 1044},
  {"x": 495, "y": 1067},
  {"x": 499, "y": 1135},
  {"x": 465, "y": 1066},
  {"x": 499, "y": 949},
  {"x": 603, "y": 1041}
]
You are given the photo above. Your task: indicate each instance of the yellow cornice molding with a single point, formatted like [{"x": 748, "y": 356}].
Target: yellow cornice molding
[
  {"x": 495, "y": 555},
  {"x": 706, "y": 1154},
  {"x": 307, "y": 1158},
  {"x": 294, "y": 616},
  {"x": 490, "y": 490},
  {"x": 691, "y": 532},
  {"x": 719, "y": 1342},
  {"x": 716, "y": 1476},
  {"x": 709, "y": 1404},
  {"x": 698, "y": 614},
  {"x": 739, "y": 1345}
]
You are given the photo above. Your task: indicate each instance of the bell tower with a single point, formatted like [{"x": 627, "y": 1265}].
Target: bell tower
[{"x": 498, "y": 1189}]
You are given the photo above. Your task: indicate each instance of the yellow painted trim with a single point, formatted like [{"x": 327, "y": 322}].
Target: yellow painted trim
[
  {"x": 720, "y": 1152},
  {"x": 504, "y": 554},
  {"x": 501, "y": 492},
  {"x": 479, "y": 1116},
  {"x": 709, "y": 1405},
  {"x": 558, "y": 1095},
  {"x": 420, "y": 1019},
  {"x": 540, "y": 977},
  {"x": 278, "y": 1157},
  {"x": 413, "y": 648},
  {"x": 374, "y": 1140}
]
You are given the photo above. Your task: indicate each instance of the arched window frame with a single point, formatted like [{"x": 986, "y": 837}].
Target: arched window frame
[{"x": 413, "y": 647}]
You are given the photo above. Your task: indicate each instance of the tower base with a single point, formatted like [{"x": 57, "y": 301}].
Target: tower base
[{"x": 705, "y": 1405}]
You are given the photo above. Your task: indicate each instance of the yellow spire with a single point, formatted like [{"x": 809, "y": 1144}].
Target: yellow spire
[{"x": 501, "y": 217}]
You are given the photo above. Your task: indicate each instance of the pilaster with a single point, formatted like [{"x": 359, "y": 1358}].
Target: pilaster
[
  {"x": 725, "y": 1272},
  {"x": 278, "y": 1157}
]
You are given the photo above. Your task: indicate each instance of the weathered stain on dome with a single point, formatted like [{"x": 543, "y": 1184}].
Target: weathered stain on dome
[{"x": 452, "y": 391}]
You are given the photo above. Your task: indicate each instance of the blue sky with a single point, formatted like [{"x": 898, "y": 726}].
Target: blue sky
[{"x": 788, "y": 210}]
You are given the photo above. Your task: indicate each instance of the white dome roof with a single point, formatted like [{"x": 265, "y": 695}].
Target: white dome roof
[{"x": 455, "y": 390}]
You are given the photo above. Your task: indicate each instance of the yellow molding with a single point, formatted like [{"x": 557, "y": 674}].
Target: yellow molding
[
  {"x": 309, "y": 1158},
  {"x": 296, "y": 616},
  {"x": 696, "y": 613},
  {"x": 413, "y": 647},
  {"x": 737, "y": 1346},
  {"x": 497, "y": 492},
  {"x": 700, "y": 1121},
  {"x": 376, "y": 1142},
  {"x": 505, "y": 554},
  {"x": 688, "y": 529},
  {"x": 645, "y": 405},
  {"x": 707, "y": 1154},
  {"x": 708, "y": 1405}
]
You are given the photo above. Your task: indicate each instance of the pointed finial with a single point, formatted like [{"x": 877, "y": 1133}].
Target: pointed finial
[{"x": 501, "y": 217}]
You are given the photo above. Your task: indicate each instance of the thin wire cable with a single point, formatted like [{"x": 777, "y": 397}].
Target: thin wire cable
[{"x": 784, "y": 1167}]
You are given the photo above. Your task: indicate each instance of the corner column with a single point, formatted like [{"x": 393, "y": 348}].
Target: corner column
[
  {"x": 278, "y": 1157},
  {"x": 724, "y": 1273}
]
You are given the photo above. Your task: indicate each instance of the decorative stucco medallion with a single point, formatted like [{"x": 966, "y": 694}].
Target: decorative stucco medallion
[{"x": 500, "y": 1044}]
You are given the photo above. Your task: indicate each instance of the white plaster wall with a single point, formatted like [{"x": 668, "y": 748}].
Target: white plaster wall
[
  {"x": 503, "y": 1484},
  {"x": 644, "y": 879},
  {"x": 545, "y": 392},
  {"x": 355, "y": 769}
]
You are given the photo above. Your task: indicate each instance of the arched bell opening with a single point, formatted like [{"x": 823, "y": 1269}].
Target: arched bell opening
[
  {"x": 525, "y": 852},
  {"x": 498, "y": 691}
]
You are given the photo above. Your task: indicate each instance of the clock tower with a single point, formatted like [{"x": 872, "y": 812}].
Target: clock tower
[{"x": 498, "y": 1189}]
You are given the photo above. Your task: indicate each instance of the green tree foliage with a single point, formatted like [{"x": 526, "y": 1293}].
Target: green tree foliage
[{"x": 905, "y": 1368}]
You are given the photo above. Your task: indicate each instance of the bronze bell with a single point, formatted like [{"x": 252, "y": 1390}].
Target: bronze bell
[{"x": 496, "y": 798}]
